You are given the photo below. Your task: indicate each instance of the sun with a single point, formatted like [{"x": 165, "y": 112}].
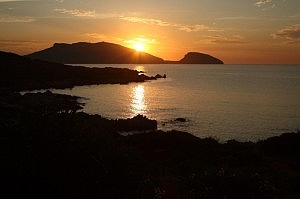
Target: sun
[{"x": 138, "y": 46}]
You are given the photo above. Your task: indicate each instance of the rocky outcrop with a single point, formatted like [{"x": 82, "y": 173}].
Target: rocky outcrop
[
  {"x": 23, "y": 73},
  {"x": 199, "y": 58},
  {"x": 77, "y": 155},
  {"x": 137, "y": 123},
  {"x": 180, "y": 119},
  {"x": 160, "y": 76}
]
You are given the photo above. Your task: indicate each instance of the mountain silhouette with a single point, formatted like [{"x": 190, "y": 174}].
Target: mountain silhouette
[
  {"x": 109, "y": 53},
  {"x": 94, "y": 53}
]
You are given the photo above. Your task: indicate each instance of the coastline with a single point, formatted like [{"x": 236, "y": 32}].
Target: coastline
[
  {"x": 50, "y": 148},
  {"x": 20, "y": 73}
]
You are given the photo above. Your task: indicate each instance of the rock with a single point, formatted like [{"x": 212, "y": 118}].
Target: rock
[
  {"x": 137, "y": 123},
  {"x": 160, "y": 76},
  {"x": 180, "y": 119}
]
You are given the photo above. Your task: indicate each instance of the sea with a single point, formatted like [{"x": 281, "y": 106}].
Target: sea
[{"x": 241, "y": 102}]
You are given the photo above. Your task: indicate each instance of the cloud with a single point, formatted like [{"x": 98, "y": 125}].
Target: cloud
[
  {"x": 17, "y": 42},
  {"x": 76, "y": 12},
  {"x": 22, "y": 47},
  {"x": 95, "y": 36},
  {"x": 191, "y": 28},
  {"x": 141, "y": 39},
  {"x": 235, "y": 39},
  {"x": 3, "y": 1},
  {"x": 290, "y": 33},
  {"x": 146, "y": 21},
  {"x": 8, "y": 1},
  {"x": 261, "y": 3},
  {"x": 158, "y": 22},
  {"x": 13, "y": 19},
  {"x": 295, "y": 16},
  {"x": 238, "y": 18},
  {"x": 86, "y": 13},
  {"x": 265, "y": 4}
]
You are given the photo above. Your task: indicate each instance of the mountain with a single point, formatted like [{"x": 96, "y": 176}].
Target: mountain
[
  {"x": 94, "y": 53},
  {"x": 22, "y": 73},
  {"x": 109, "y": 53},
  {"x": 196, "y": 58}
]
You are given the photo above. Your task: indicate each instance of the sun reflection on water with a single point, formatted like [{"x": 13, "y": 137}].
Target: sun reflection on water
[{"x": 138, "y": 102}]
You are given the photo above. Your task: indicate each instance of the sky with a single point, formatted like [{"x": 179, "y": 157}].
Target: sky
[{"x": 235, "y": 31}]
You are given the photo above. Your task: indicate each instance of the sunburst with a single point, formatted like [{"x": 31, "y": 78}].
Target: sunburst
[{"x": 138, "y": 46}]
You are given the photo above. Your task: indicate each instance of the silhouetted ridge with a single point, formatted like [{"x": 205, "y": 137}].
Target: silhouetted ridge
[
  {"x": 109, "y": 53},
  {"x": 94, "y": 53},
  {"x": 199, "y": 58}
]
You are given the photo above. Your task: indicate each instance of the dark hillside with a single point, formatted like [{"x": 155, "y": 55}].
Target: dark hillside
[
  {"x": 109, "y": 53},
  {"x": 196, "y": 58},
  {"x": 94, "y": 53},
  {"x": 23, "y": 73}
]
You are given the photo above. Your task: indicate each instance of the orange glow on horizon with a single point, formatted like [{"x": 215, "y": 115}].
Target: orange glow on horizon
[
  {"x": 140, "y": 44},
  {"x": 265, "y": 32}
]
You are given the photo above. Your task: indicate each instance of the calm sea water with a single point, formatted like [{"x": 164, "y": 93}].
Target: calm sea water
[{"x": 243, "y": 102}]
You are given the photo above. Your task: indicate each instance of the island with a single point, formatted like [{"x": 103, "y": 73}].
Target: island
[
  {"x": 196, "y": 58},
  {"x": 109, "y": 53}
]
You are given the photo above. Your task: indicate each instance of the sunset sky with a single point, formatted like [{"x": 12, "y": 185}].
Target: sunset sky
[{"x": 236, "y": 31}]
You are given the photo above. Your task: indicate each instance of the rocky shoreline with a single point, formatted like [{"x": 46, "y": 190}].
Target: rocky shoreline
[
  {"x": 20, "y": 73},
  {"x": 51, "y": 149}
]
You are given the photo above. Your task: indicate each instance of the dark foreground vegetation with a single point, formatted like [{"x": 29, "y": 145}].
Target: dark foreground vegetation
[
  {"x": 21, "y": 73},
  {"x": 50, "y": 150}
]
